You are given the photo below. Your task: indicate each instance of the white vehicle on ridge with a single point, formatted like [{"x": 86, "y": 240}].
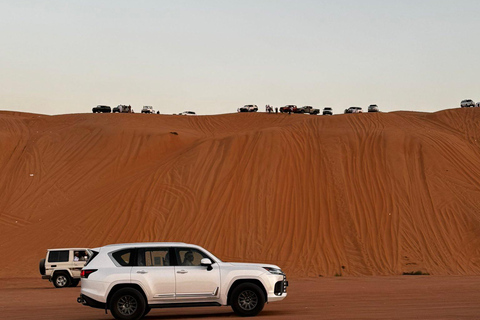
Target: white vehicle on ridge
[
  {"x": 467, "y": 103},
  {"x": 148, "y": 109},
  {"x": 130, "y": 279},
  {"x": 187, "y": 113}
]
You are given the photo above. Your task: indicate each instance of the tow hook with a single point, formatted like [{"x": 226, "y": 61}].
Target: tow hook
[{"x": 80, "y": 300}]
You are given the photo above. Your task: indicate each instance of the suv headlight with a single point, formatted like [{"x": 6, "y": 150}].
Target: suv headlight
[{"x": 273, "y": 270}]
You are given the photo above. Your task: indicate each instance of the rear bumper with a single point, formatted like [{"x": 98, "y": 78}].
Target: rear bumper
[{"x": 87, "y": 301}]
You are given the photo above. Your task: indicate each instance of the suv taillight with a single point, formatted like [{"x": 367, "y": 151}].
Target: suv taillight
[{"x": 86, "y": 273}]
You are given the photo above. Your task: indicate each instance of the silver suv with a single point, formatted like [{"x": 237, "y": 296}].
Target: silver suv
[
  {"x": 131, "y": 279},
  {"x": 467, "y": 103}
]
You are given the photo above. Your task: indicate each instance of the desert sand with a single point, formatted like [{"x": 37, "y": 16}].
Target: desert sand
[
  {"x": 350, "y": 195},
  {"x": 332, "y": 298}
]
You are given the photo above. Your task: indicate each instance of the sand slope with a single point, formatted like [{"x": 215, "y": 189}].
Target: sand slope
[{"x": 367, "y": 194}]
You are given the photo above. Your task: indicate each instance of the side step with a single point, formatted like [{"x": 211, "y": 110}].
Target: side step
[{"x": 185, "y": 305}]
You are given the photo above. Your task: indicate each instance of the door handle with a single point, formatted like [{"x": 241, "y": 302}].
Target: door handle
[
  {"x": 142, "y": 271},
  {"x": 182, "y": 271}
]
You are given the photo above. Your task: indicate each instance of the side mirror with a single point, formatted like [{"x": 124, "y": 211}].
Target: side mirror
[{"x": 206, "y": 263}]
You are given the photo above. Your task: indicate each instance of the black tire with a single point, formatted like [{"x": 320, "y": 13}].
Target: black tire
[
  {"x": 75, "y": 282},
  {"x": 128, "y": 304},
  {"x": 247, "y": 300},
  {"x": 41, "y": 267},
  {"x": 147, "y": 310},
  {"x": 61, "y": 280}
]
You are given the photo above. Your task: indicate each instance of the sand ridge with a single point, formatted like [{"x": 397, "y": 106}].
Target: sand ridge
[{"x": 359, "y": 194}]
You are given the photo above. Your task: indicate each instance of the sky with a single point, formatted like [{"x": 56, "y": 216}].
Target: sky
[{"x": 213, "y": 56}]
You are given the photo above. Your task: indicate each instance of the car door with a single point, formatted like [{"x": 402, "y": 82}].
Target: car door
[
  {"x": 59, "y": 260},
  {"x": 194, "y": 282},
  {"x": 154, "y": 272}
]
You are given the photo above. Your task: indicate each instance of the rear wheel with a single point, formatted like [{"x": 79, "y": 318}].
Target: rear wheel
[
  {"x": 247, "y": 300},
  {"x": 61, "y": 280},
  {"x": 128, "y": 304}
]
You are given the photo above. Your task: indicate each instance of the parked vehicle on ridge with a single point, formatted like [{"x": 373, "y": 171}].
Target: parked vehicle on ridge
[
  {"x": 308, "y": 109},
  {"x": 353, "y": 110},
  {"x": 467, "y": 103},
  {"x": 187, "y": 113},
  {"x": 148, "y": 109},
  {"x": 249, "y": 108},
  {"x": 373, "y": 108},
  {"x": 101, "y": 109},
  {"x": 327, "y": 111},
  {"x": 288, "y": 108}
]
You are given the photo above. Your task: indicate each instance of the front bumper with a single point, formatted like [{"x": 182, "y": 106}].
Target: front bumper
[{"x": 281, "y": 286}]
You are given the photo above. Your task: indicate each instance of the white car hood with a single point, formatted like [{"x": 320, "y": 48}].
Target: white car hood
[{"x": 259, "y": 265}]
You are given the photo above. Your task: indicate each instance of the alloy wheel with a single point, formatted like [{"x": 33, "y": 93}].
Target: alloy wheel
[
  {"x": 127, "y": 305},
  {"x": 247, "y": 300}
]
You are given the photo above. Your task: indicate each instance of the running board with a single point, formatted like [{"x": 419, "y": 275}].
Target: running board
[{"x": 185, "y": 305}]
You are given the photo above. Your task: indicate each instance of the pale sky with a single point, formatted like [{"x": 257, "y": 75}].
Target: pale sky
[{"x": 212, "y": 57}]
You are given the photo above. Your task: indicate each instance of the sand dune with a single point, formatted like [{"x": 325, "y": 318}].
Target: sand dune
[{"x": 366, "y": 194}]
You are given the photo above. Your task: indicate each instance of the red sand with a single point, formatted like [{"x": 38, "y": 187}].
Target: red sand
[
  {"x": 393, "y": 297},
  {"x": 360, "y": 194}
]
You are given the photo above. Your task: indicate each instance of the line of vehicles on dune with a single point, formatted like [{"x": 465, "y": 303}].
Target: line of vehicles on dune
[
  {"x": 246, "y": 108},
  {"x": 291, "y": 108},
  {"x": 128, "y": 109},
  {"x": 254, "y": 108},
  {"x": 132, "y": 278}
]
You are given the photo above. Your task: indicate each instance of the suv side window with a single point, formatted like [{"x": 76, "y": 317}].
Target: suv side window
[
  {"x": 58, "y": 256},
  {"x": 153, "y": 257},
  {"x": 190, "y": 256},
  {"x": 124, "y": 257}
]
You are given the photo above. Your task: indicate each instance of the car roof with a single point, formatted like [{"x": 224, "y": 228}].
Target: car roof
[
  {"x": 74, "y": 249},
  {"x": 147, "y": 244}
]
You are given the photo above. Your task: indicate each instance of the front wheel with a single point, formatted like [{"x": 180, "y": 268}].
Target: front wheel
[
  {"x": 61, "y": 280},
  {"x": 247, "y": 300},
  {"x": 128, "y": 304},
  {"x": 147, "y": 310}
]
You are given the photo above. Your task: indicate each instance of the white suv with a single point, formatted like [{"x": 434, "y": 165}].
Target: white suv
[
  {"x": 63, "y": 266},
  {"x": 467, "y": 103},
  {"x": 148, "y": 109},
  {"x": 130, "y": 279}
]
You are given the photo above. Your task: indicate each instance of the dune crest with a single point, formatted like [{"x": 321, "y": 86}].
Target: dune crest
[{"x": 360, "y": 194}]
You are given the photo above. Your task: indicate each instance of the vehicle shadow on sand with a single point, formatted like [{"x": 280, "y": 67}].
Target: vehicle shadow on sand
[{"x": 263, "y": 314}]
